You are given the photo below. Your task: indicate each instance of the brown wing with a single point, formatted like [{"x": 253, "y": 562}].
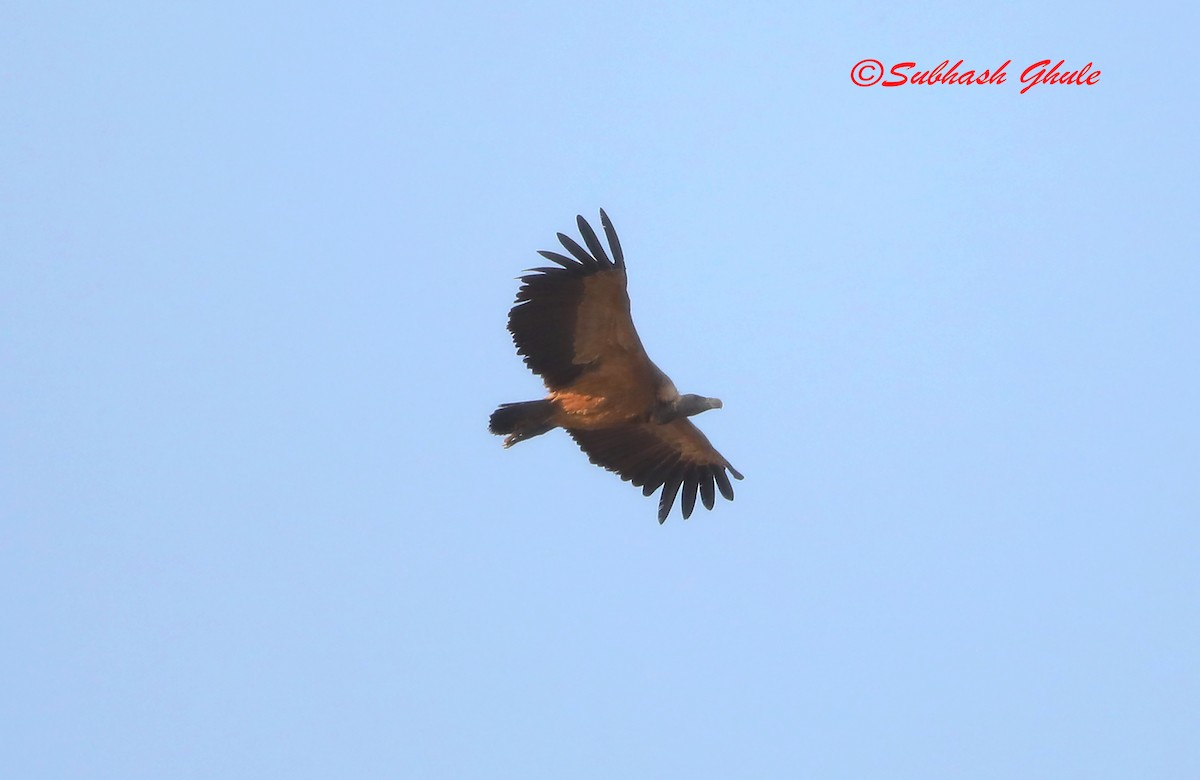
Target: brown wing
[
  {"x": 669, "y": 456},
  {"x": 573, "y": 320}
]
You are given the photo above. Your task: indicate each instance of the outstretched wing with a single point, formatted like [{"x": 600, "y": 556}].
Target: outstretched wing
[
  {"x": 574, "y": 319},
  {"x": 671, "y": 456}
]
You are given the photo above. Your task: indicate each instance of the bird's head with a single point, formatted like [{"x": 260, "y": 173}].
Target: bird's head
[{"x": 690, "y": 404}]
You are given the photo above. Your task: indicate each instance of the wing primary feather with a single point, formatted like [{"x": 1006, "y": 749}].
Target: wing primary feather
[
  {"x": 562, "y": 260},
  {"x": 736, "y": 474},
  {"x": 593, "y": 243},
  {"x": 723, "y": 483},
  {"x": 613, "y": 242},
  {"x": 707, "y": 494},
  {"x": 535, "y": 273},
  {"x": 690, "y": 483},
  {"x": 668, "y": 497},
  {"x": 579, "y": 253}
]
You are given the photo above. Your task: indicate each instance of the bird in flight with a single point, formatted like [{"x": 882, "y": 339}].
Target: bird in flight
[{"x": 572, "y": 325}]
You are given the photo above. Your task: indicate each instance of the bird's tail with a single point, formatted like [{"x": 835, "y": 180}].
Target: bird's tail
[{"x": 522, "y": 420}]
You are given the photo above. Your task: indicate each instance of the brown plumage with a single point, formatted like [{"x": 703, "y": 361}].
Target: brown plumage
[{"x": 572, "y": 325}]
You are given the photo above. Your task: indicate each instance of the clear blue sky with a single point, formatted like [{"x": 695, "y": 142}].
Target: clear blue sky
[{"x": 255, "y": 265}]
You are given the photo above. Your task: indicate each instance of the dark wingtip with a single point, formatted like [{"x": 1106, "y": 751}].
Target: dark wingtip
[
  {"x": 666, "y": 499},
  {"x": 708, "y": 493},
  {"x": 593, "y": 244},
  {"x": 690, "y": 485},
  {"x": 579, "y": 253},
  {"x": 613, "y": 242},
  {"x": 562, "y": 260},
  {"x": 723, "y": 483}
]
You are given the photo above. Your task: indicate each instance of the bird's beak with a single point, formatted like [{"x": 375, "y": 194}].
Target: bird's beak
[{"x": 716, "y": 403}]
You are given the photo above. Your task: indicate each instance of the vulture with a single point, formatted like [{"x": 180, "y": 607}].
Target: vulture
[{"x": 571, "y": 324}]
